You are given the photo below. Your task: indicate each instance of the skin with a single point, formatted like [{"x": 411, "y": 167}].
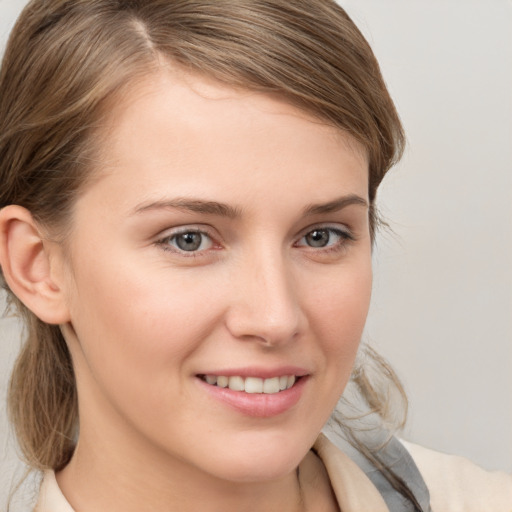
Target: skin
[{"x": 145, "y": 318}]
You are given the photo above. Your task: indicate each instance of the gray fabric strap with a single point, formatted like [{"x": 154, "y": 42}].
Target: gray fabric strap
[{"x": 395, "y": 456}]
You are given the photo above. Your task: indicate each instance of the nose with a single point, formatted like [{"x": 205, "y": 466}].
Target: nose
[{"x": 266, "y": 305}]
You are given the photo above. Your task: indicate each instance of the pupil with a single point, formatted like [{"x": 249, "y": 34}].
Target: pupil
[
  {"x": 189, "y": 241},
  {"x": 318, "y": 238}
]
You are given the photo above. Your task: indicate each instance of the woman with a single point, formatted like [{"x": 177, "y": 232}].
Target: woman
[{"x": 186, "y": 226}]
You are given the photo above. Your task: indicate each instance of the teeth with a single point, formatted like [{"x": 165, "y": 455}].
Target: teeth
[
  {"x": 252, "y": 384},
  {"x": 236, "y": 384},
  {"x": 211, "y": 379},
  {"x": 222, "y": 382},
  {"x": 271, "y": 385}
]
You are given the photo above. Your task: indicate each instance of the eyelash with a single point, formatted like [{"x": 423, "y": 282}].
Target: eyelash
[
  {"x": 165, "y": 245},
  {"x": 345, "y": 237}
]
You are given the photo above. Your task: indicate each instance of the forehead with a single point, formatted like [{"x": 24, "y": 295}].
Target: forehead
[
  {"x": 181, "y": 130},
  {"x": 195, "y": 99}
]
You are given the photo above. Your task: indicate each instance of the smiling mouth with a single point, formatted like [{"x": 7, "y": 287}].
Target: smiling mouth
[{"x": 251, "y": 384}]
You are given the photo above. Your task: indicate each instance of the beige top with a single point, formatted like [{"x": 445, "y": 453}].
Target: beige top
[{"x": 455, "y": 484}]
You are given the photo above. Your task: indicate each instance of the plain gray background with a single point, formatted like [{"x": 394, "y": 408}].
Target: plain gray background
[{"x": 442, "y": 304}]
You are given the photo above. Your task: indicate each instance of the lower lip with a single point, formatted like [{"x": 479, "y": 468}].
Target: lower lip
[{"x": 258, "y": 405}]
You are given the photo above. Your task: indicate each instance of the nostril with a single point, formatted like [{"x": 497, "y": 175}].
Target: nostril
[{"x": 268, "y": 328}]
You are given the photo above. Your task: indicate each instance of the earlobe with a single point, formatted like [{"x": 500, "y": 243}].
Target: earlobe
[{"x": 25, "y": 258}]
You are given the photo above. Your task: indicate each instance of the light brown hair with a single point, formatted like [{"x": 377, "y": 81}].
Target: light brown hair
[{"x": 67, "y": 59}]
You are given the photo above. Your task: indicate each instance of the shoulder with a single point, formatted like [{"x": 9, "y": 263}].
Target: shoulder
[{"x": 456, "y": 484}]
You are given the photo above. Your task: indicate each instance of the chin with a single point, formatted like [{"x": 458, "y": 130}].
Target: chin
[
  {"x": 255, "y": 471},
  {"x": 258, "y": 460}
]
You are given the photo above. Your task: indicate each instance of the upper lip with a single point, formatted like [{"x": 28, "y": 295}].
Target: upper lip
[{"x": 260, "y": 372}]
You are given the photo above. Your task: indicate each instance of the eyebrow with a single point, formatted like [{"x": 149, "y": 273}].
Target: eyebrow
[
  {"x": 335, "y": 205},
  {"x": 192, "y": 205},
  {"x": 233, "y": 212}
]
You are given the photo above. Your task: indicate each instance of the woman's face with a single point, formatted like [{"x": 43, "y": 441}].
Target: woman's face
[{"x": 225, "y": 243}]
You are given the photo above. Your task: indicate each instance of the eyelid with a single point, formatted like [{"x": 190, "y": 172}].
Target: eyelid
[
  {"x": 337, "y": 228},
  {"x": 163, "y": 237},
  {"x": 346, "y": 236}
]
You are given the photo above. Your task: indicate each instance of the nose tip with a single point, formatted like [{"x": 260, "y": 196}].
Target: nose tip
[{"x": 267, "y": 308}]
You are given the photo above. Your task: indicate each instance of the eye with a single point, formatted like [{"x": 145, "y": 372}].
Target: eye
[
  {"x": 187, "y": 241},
  {"x": 324, "y": 237}
]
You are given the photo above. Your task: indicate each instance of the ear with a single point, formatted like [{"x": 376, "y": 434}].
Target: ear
[{"x": 27, "y": 261}]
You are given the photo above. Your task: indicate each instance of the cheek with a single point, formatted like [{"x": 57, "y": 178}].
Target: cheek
[
  {"x": 135, "y": 327},
  {"x": 340, "y": 304},
  {"x": 135, "y": 340},
  {"x": 337, "y": 307}
]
